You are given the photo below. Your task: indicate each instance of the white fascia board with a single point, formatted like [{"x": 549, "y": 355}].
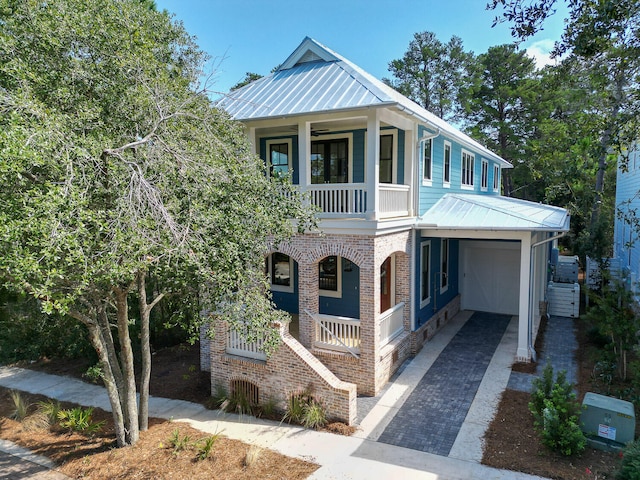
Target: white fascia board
[{"x": 476, "y": 234}]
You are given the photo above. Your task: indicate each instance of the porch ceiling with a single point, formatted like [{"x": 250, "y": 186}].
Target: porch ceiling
[{"x": 456, "y": 211}]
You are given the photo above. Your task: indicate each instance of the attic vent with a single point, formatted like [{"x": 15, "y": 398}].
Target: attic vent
[{"x": 309, "y": 57}]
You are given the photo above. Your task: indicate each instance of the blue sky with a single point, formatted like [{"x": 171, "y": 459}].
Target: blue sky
[{"x": 256, "y": 35}]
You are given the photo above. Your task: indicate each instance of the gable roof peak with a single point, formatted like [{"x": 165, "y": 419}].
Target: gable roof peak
[{"x": 309, "y": 50}]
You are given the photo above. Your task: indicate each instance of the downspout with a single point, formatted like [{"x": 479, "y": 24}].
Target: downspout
[{"x": 530, "y": 295}]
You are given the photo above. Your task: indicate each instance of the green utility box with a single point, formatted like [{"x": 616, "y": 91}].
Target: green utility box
[{"x": 608, "y": 423}]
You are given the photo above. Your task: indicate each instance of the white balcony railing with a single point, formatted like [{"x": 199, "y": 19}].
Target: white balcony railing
[
  {"x": 394, "y": 200},
  {"x": 391, "y": 323},
  {"x": 337, "y": 333},
  {"x": 350, "y": 199},
  {"x": 238, "y": 345},
  {"x": 339, "y": 198}
]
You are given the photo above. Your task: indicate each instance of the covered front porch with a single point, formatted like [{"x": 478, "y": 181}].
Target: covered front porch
[{"x": 354, "y": 167}]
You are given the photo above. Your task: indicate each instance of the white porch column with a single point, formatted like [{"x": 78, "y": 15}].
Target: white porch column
[
  {"x": 372, "y": 174},
  {"x": 304, "y": 154},
  {"x": 522, "y": 353}
]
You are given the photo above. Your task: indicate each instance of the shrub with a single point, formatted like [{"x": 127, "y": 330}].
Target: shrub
[
  {"x": 44, "y": 417},
  {"x": 50, "y": 409},
  {"x": 252, "y": 456},
  {"x": 238, "y": 402},
  {"x": 556, "y": 413},
  {"x": 305, "y": 410},
  {"x": 314, "y": 415},
  {"x": 269, "y": 408},
  {"x": 20, "y": 407},
  {"x": 79, "y": 419},
  {"x": 94, "y": 373},
  {"x": 205, "y": 446},
  {"x": 28, "y": 334},
  {"x": 630, "y": 466},
  {"x": 216, "y": 400},
  {"x": 179, "y": 442},
  {"x": 295, "y": 407}
]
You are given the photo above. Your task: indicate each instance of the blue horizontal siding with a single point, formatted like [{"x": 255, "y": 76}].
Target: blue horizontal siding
[
  {"x": 626, "y": 244},
  {"x": 429, "y": 195},
  {"x": 348, "y": 305},
  {"x": 441, "y": 299}
]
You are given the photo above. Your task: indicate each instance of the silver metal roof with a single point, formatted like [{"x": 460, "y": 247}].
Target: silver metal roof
[
  {"x": 328, "y": 83},
  {"x": 456, "y": 211}
]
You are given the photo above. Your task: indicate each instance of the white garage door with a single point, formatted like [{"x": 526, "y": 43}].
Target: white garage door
[{"x": 490, "y": 273}]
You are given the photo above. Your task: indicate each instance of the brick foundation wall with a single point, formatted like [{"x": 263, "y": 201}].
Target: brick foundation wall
[
  {"x": 291, "y": 369},
  {"x": 435, "y": 323}
]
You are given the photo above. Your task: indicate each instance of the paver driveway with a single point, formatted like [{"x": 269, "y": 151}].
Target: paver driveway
[{"x": 432, "y": 415}]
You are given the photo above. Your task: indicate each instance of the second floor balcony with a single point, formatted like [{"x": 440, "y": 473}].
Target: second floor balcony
[{"x": 352, "y": 200}]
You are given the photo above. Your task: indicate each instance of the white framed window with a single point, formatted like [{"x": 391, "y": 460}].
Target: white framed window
[
  {"x": 280, "y": 270},
  {"x": 468, "y": 161},
  {"x": 444, "y": 265},
  {"x": 427, "y": 161},
  {"x": 279, "y": 156},
  {"x": 331, "y": 158},
  {"x": 388, "y": 155},
  {"x": 484, "y": 177},
  {"x": 496, "y": 178},
  {"x": 388, "y": 283},
  {"x": 446, "y": 165},
  {"x": 330, "y": 277},
  {"x": 425, "y": 273}
]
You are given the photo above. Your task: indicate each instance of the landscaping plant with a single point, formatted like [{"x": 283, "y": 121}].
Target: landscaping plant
[
  {"x": 79, "y": 419},
  {"x": 206, "y": 445},
  {"x": 556, "y": 413},
  {"x": 305, "y": 410},
  {"x": 630, "y": 467},
  {"x": 21, "y": 408},
  {"x": 179, "y": 442}
]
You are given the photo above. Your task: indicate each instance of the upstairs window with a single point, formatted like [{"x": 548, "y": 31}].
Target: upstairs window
[
  {"x": 485, "y": 175},
  {"x": 330, "y": 161},
  {"x": 496, "y": 178},
  {"x": 427, "y": 162},
  {"x": 386, "y": 159},
  {"x": 468, "y": 161},
  {"x": 279, "y": 157},
  {"x": 446, "y": 165}
]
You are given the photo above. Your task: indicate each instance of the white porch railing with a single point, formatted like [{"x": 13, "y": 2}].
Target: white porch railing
[
  {"x": 394, "y": 200},
  {"x": 337, "y": 333},
  {"x": 238, "y": 345},
  {"x": 350, "y": 199},
  {"x": 391, "y": 324},
  {"x": 339, "y": 198}
]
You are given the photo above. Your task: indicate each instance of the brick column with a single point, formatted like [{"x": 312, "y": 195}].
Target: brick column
[{"x": 307, "y": 300}]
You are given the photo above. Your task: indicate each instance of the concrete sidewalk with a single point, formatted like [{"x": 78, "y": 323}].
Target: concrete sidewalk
[{"x": 360, "y": 456}]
